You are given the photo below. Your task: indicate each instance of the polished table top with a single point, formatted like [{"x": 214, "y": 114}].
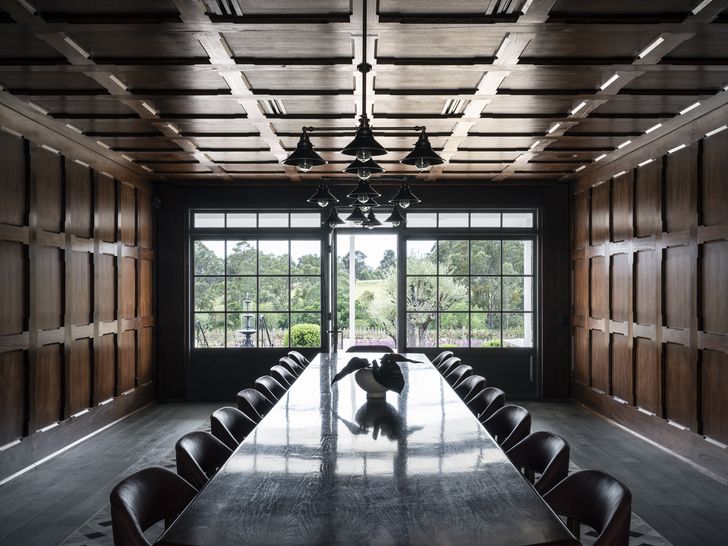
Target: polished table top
[{"x": 327, "y": 467}]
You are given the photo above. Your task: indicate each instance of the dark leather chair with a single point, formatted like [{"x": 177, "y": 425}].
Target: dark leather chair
[
  {"x": 486, "y": 402},
  {"x": 254, "y": 404},
  {"x": 369, "y": 349},
  {"x": 597, "y": 500},
  {"x": 144, "y": 498},
  {"x": 298, "y": 357},
  {"x": 270, "y": 388},
  {"x": 441, "y": 357},
  {"x": 470, "y": 386},
  {"x": 291, "y": 365},
  {"x": 230, "y": 426},
  {"x": 282, "y": 375},
  {"x": 199, "y": 456},
  {"x": 541, "y": 453},
  {"x": 508, "y": 426},
  {"x": 458, "y": 374},
  {"x": 449, "y": 364}
]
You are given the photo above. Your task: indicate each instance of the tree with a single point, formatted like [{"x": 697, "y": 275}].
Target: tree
[{"x": 386, "y": 264}]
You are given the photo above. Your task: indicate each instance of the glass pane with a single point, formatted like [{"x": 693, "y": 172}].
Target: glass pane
[
  {"x": 305, "y": 330},
  {"x": 305, "y": 293},
  {"x": 485, "y": 257},
  {"x": 273, "y": 293},
  {"x": 421, "y": 257},
  {"x": 485, "y": 293},
  {"x": 453, "y": 219},
  {"x": 241, "y": 220},
  {"x": 485, "y": 330},
  {"x": 453, "y": 330},
  {"x": 209, "y": 257},
  {"x": 421, "y": 219},
  {"x": 209, "y": 330},
  {"x": 421, "y": 330},
  {"x": 306, "y": 219},
  {"x": 518, "y": 219},
  {"x": 305, "y": 257},
  {"x": 517, "y": 329},
  {"x": 209, "y": 293},
  {"x": 273, "y": 257},
  {"x": 421, "y": 293},
  {"x": 273, "y": 330},
  {"x": 273, "y": 219},
  {"x": 241, "y": 294},
  {"x": 517, "y": 294},
  {"x": 453, "y": 293},
  {"x": 241, "y": 330},
  {"x": 209, "y": 219},
  {"x": 517, "y": 257},
  {"x": 453, "y": 257},
  {"x": 485, "y": 219},
  {"x": 241, "y": 257}
]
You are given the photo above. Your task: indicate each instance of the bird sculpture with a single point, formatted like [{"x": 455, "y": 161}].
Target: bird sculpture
[{"x": 386, "y": 370}]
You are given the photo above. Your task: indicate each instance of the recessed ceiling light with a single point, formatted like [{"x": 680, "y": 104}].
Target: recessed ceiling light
[
  {"x": 625, "y": 143},
  {"x": 172, "y": 128},
  {"x": 600, "y": 157},
  {"x": 578, "y": 107},
  {"x": 691, "y": 107},
  {"x": 534, "y": 145},
  {"x": 81, "y": 163},
  {"x": 646, "y": 51},
  {"x": 74, "y": 128},
  {"x": 646, "y": 162},
  {"x": 149, "y": 108},
  {"x": 609, "y": 82},
  {"x": 46, "y": 147},
  {"x": 653, "y": 128},
  {"x": 146, "y": 168},
  {"x": 676, "y": 148},
  {"x": 620, "y": 173},
  {"x": 39, "y": 108},
  {"x": 580, "y": 168},
  {"x": 725, "y": 88},
  {"x": 103, "y": 145},
  {"x": 555, "y": 126},
  {"x": 716, "y": 131},
  {"x": 127, "y": 158},
  {"x": 77, "y": 47},
  {"x": 118, "y": 82},
  {"x": 697, "y": 9}
]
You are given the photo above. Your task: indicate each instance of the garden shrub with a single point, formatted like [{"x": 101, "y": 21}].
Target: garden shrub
[{"x": 306, "y": 335}]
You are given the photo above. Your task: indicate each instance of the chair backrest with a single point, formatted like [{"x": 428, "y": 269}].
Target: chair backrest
[
  {"x": 270, "y": 388},
  {"x": 369, "y": 349},
  {"x": 470, "y": 386},
  {"x": 449, "y": 364},
  {"x": 253, "y": 404},
  {"x": 486, "y": 402},
  {"x": 442, "y": 356},
  {"x": 298, "y": 357},
  {"x": 199, "y": 456},
  {"x": 597, "y": 500},
  {"x": 282, "y": 375},
  {"x": 509, "y": 425},
  {"x": 291, "y": 365},
  {"x": 144, "y": 498},
  {"x": 230, "y": 426},
  {"x": 544, "y": 453},
  {"x": 458, "y": 374}
]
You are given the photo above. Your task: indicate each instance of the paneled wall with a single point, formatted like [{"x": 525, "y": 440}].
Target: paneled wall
[
  {"x": 76, "y": 311},
  {"x": 650, "y": 299}
]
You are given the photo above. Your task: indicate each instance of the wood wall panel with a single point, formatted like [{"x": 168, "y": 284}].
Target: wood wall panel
[
  {"x": 13, "y": 186},
  {"x": 49, "y": 286},
  {"x": 714, "y": 287},
  {"x": 82, "y": 288},
  {"x": 581, "y": 220},
  {"x": 714, "y": 407},
  {"x": 145, "y": 225},
  {"x": 127, "y": 361},
  {"x": 78, "y": 380},
  {"x": 713, "y": 187},
  {"x": 105, "y": 208},
  {"x": 645, "y": 281},
  {"x": 677, "y": 287},
  {"x": 622, "y": 208},
  {"x": 620, "y": 286},
  {"x": 13, "y": 287},
  {"x": 49, "y": 189},
  {"x": 47, "y": 378},
  {"x": 647, "y": 200},
  {"x": 598, "y": 281},
  {"x": 13, "y": 389},
  {"x": 681, "y": 388},
  {"x": 104, "y": 367},
  {"x": 145, "y": 287},
  {"x": 128, "y": 288},
  {"x": 79, "y": 184},
  {"x": 647, "y": 371},
  {"x": 106, "y": 292},
  {"x": 127, "y": 214},
  {"x": 681, "y": 170},
  {"x": 600, "y": 214},
  {"x": 600, "y": 360},
  {"x": 581, "y": 355},
  {"x": 621, "y": 355},
  {"x": 146, "y": 356}
]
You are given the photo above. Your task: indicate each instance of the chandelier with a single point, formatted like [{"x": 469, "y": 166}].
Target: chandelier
[{"x": 363, "y": 148}]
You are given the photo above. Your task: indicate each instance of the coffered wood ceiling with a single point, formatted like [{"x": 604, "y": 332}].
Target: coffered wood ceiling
[{"x": 219, "y": 89}]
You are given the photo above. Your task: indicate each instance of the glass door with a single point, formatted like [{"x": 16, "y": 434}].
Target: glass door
[{"x": 365, "y": 289}]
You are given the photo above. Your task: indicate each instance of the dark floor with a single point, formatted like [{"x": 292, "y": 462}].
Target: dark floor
[{"x": 48, "y": 503}]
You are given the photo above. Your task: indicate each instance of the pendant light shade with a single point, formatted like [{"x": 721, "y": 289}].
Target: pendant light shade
[
  {"x": 364, "y": 169},
  {"x": 357, "y": 216},
  {"x": 404, "y": 197},
  {"x": 363, "y": 192},
  {"x": 423, "y": 156},
  {"x": 304, "y": 158},
  {"x": 333, "y": 219},
  {"x": 396, "y": 218},
  {"x": 364, "y": 146},
  {"x": 371, "y": 222},
  {"x": 323, "y": 197},
  {"x": 367, "y": 205}
]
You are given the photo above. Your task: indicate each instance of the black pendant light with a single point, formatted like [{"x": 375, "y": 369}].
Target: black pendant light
[
  {"x": 323, "y": 197},
  {"x": 364, "y": 169},
  {"x": 364, "y": 146},
  {"x": 304, "y": 158},
  {"x": 372, "y": 221},
  {"x": 404, "y": 197},
  {"x": 356, "y": 217},
  {"x": 363, "y": 192},
  {"x": 423, "y": 156},
  {"x": 333, "y": 219},
  {"x": 367, "y": 205},
  {"x": 396, "y": 218}
]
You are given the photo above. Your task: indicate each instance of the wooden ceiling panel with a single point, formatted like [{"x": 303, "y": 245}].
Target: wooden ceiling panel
[
  {"x": 605, "y": 8},
  {"x": 85, "y": 7},
  {"x": 491, "y": 157},
  {"x": 437, "y": 43},
  {"x": 498, "y": 142},
  {"x": 519, "y": 104},
  {"x": 103, "y": 45},
  {"x": 181, "y": 168},
  {"x": 186, "y": 106},
  {"x": 512, "y": 125},
  {"x": 92, "y": 106},
  {"x": 615, "y": 125},
  {"x": 20, "y": 81},
  {"x": 416, "y": 7},
  {"x": 409, "y": 104},
  {"x": 599, "y": 42},
  {"x": 708, "y": 44},
  {"x": 26, "y": 47},
  {"x": 556, "y": 79},
  {"x": 253, "y": 169},
  {"x": 302, "y": 43},
  {"x": 137, "y": 80},
  {"x": 647, "y": 104},
  {"x": 280, "y": 7},
  {"x": 152, "y": 158},
  {"x": 191, "y": 127},
  {"x": 699, "y": 80},
  {"x": 96, "y": 127},
  {"x": 241, "y": 157},
  {"x": 123, "y": 143},
  {"x": 393, "y": 77},
  {"x": 227, "y": 142},
  {"x": 336, "y": 77},
  {"x": 323, "y": 104}
]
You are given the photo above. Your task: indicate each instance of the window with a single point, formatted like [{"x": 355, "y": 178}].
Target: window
[
  {"x": 469, "y": 292},
  {"x": 455, "y": 219}
]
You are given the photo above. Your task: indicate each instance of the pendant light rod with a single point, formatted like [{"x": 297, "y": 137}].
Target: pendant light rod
[
  {"x": 364, "y": 67},
  {"x": 311, "y": 129}
]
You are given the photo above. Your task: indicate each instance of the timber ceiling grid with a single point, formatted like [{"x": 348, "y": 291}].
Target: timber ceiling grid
[{"x": 219, "y": 89}]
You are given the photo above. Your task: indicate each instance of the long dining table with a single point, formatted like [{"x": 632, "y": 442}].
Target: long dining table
[{"x": 326, "y": 466}]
